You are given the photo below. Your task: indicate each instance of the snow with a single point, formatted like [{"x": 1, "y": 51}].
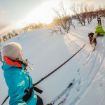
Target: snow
[{"x": 46, "y": 51}]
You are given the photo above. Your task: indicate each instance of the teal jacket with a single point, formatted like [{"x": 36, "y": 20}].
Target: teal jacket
[{"x": 18, "y": 80}]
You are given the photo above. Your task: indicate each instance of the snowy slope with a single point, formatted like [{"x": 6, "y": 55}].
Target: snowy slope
[
  {"x": 94, "y": 95},
  {"x": 46, "y": 52}
]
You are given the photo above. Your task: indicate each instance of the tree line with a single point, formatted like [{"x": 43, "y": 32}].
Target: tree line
[{"x": 63, "y": 21}]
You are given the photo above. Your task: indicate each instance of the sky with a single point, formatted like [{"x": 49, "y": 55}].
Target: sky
[{"x": 17, "y": 13}]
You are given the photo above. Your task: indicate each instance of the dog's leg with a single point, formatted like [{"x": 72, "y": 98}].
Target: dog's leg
[{"x": 94, "y": 46}]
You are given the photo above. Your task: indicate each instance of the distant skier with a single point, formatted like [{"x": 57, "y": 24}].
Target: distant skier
[
  {"x": 92, "y": 39},
  {"x": 19, "y": 82},
  {"x": 99, "y": 28},
  {"x": 99, "y": 20}
]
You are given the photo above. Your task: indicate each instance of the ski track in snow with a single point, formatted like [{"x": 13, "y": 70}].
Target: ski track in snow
[{"x": 95, "y": 68}]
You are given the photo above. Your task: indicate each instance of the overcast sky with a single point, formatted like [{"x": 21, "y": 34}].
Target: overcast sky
[{"x": 13, "y": 11}]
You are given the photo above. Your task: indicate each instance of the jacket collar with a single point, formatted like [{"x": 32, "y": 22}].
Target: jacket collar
[{"x": 11, "y": 62}]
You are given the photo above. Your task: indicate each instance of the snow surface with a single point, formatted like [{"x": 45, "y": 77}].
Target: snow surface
[{"x": 46, "y": 51}]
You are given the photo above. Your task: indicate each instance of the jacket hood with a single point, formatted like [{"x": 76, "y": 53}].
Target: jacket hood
[{"x": 6, "y": 66}]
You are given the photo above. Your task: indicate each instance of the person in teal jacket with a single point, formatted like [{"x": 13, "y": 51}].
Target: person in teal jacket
[{"x": 17, "y": 78}]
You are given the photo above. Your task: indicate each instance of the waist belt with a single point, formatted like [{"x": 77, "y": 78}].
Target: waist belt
[{"x": 29, "y": 93}]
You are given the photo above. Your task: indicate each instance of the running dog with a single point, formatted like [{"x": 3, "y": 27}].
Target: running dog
[{"x": 92, "y": 39}]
